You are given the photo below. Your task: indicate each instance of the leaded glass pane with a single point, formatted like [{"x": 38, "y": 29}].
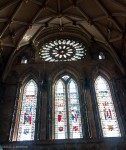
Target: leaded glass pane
[
  {"x": 66, "y": 77},
  {"x": 107, "y": 112},
  {"x": 26, "y": 128},
  {"x": 60, "y": 111},
  {"x": 24, "y": 60},
  {"x": 74, "y": 111},
  {"x": 61, "y": 50},
  {"x": 67, "y": 109},
  {"x": 101, "y": 55}
]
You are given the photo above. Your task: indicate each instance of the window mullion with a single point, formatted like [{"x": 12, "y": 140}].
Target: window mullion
[{"x": 67, "y": 111}]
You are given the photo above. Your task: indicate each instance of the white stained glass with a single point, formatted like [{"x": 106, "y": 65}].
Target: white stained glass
[
  {"x": 74, "y": 111},
  {"x": 24, "y": 60},
  {"x": 62, "y": 50},
  {"x": 65, "y": 77},
  {"x": 26, "y": 128},
  {"x": 106, "y": 108},
  {"x": 101, "y": 55},
  {"x": 60, "y": 111}
]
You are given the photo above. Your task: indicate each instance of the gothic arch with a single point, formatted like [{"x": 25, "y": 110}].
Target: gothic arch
[
  {"x": 66, "y": 115},
  {"x": 103, "y": 71},
  {"x": 28, "y": 74},
  {"x": 64, "y": 70},
  {"x": 107, "y": 77},
  {"x": 54, "y": 77},
  {"x": 25, "y": 103}
]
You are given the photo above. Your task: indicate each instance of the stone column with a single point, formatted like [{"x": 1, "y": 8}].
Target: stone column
[
  {"x": 89, "y": 108},
  {"x": 119, "y": 99},
  {"x": 14, "y": 123},
  {"x": 38, "y": 112},
  {"x": 93, "y": 111},
  {"x": 44, "y": 99}
]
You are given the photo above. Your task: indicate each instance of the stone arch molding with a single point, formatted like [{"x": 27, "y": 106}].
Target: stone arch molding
[
  {"x": 100, "y": 70},
  {"x": 76, "y": 73},
  {"x": 31, "y": 73}
]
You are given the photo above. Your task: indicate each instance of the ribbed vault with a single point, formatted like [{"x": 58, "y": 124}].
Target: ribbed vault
[{"x": 23, "y": 22}]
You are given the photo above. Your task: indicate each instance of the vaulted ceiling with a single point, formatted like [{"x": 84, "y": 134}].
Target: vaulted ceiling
[{"x": 23, "y": 22}]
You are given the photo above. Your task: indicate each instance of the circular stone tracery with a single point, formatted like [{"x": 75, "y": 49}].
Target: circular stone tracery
[{"x": 62, "y": 50}]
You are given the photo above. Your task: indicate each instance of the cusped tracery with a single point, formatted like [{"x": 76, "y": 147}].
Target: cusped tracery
[{"x": 62, "y": 50}]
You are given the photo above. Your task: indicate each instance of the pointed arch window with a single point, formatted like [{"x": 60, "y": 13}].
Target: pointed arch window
[
  {"x": 108, "y": 118},
  {"x": 67, "y": 114},
  {"x": 26, "y": 114}
]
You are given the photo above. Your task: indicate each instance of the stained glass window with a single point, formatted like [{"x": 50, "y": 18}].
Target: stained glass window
[
  {"x": 26, "y": 126},
  {"x": 24, "y": 60},
  {"x": 62, "y": 50},
  {"x": 60, "y": 111},
  {"x": 67, "y": 109},
  {"x": 101, "y": 55},
  {"x": 108, "y": 118}
]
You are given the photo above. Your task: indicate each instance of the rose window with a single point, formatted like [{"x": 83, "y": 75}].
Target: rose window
[{"x": 62, "y": 50}]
